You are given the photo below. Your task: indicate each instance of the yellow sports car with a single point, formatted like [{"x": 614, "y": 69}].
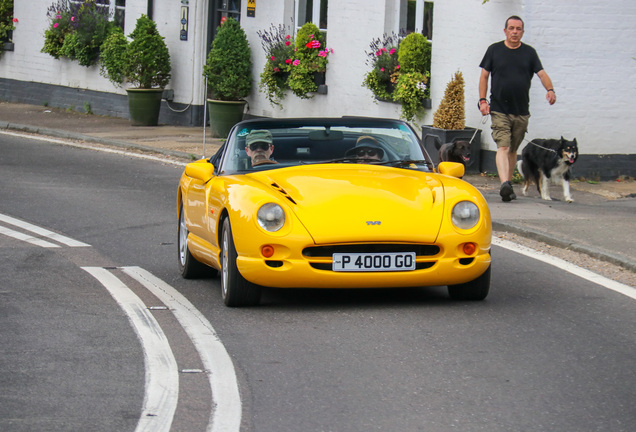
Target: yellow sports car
[{"x": 345, "y": 202}]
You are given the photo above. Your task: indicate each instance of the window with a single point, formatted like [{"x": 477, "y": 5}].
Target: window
[
  {"x": 312, "y": 11},
  {"x": 218, "y": 10},
  {"x": 417, "y": 16},
  {"x": 116, "y": 9}
]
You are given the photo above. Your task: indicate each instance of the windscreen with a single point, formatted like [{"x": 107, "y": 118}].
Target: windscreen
[{"x": 261, "y": 146}]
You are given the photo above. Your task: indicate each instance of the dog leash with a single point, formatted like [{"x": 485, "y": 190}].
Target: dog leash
[
  {"x": 541, "y": 147},
  {"x": 483, "y": 121}
]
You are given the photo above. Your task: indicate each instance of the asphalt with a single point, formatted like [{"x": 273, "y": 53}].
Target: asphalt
[{"x": 599, "y": 223}]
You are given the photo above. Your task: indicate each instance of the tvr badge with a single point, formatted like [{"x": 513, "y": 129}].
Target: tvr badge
[{"x": 373, "y": 222}]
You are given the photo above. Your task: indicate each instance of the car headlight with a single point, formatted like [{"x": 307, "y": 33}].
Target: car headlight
[
  {"x": 271, "y": 217},
  {"x": 465, "y": 215}
]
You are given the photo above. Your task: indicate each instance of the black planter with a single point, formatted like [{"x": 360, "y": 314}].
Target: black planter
[
  {"x": 319, "y": 80},
  {"x": 433, "y": 138}
]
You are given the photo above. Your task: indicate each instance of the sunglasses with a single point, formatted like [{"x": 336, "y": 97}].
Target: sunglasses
[
  {"x": 366, "y": 151},
  {"x": 259, "y": 145}
]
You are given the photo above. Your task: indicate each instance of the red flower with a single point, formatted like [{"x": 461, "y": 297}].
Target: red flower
[
  {"x": 313, "y": 44},
  {"x": 288, "y": 61}
]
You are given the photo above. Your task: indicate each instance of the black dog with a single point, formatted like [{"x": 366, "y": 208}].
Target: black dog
[
  {"x": 458, "y": 151},
  {"x": 544, "y": 159}
]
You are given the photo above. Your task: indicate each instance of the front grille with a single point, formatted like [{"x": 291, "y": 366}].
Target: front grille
[
  {"x": 328, "y": 266},
  {"x": 322, "y": 253},
  {"x": 328, "y": 251}
]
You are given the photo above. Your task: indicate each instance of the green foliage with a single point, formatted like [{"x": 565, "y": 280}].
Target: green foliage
[
  {"x": 279, "y": 50},
  {"x": 76, "y": 31},
  {"x": 410, "y": 90},
  {"x": 400, "y": 71},
  {"x": 311, "y": 56},
  {"x": 144, "y": 61},
  {"x": 6, "y": 18},
  {"x": 229, "y": 67},
  {"x": 450, "y": 113},
  {"x": 415, "y": 54},
  {"x": 113, "y": 57},
  {"x": 147, "y": 56}
]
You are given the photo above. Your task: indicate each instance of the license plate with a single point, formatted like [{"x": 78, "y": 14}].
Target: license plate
[{"x": 373, "y": 262}]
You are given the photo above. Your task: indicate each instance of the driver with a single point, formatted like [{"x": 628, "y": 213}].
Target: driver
[
  {"x": 366, "y": 150},
  {"x": 259, "y": 147}
]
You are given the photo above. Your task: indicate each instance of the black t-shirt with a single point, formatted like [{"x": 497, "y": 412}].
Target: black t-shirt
[{"x": 511, "y": 71}]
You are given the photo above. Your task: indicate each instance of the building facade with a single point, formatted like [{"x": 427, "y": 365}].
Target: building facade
[{"x": 586, "y": 48}]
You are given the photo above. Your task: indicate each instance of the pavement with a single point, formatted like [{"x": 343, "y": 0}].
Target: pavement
[{"x": 599, "y": 223}]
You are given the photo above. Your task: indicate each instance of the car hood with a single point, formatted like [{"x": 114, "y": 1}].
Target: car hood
[{"x": 349, "y": 203}]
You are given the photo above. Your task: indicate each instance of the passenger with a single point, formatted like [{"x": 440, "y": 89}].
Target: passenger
[
  {"x": 366, "y": 150},
  {"x": 259, "y": 147}
]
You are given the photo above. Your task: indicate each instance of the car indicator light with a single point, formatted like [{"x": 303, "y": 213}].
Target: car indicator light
[
  {"x": 470, "y": 248},
  {"x": 267, "y": 251}
]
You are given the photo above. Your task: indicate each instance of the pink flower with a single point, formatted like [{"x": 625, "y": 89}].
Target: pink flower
[
  {"x": 273, "y": 58},
  {"x": 58, "y": 16},
  {"x": 288, "y": 43},
  {"x": 331, "y": 50},
  {"x": 296, "y": 62},
  {"x": 15, "y": 20},
  {"x": 288, "y": 37},
  {"x": 73, "y": 18},
  {"x": 323, "y": 53},
  {"x": 55, "y": 25},
  {"x": 311, "y": 36},
  {"x": 378, "y": 53},
  {"x": 313, "y": 44},
  {"x": 397, "y": 67},
  {"x": 392, "y": 51},
  {"x": 276, "y": 69},
  {"x": 382, "y": 69}
]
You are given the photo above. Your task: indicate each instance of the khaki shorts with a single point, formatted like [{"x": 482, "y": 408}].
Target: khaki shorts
[{"x": 509, "y": 130}]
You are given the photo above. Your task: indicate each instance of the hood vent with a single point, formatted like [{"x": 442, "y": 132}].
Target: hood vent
[{"x": 283, "y": 192}]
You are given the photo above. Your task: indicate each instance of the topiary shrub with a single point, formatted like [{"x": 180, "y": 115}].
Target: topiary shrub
[
  {"x": 451, "y": 112},
  {"x": 228, "y": 68},
  {"x": 415, "y": 54},
  {"x": 144, "y": 62}
]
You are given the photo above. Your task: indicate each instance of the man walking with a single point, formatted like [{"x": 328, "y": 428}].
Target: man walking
[{"x": 512, "y": 65}]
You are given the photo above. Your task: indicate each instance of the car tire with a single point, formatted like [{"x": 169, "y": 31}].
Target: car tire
[
  {"x": 189, "y": 267},
  {"x": 475, "y": 290},
  {"x": 235, "y": 289}
]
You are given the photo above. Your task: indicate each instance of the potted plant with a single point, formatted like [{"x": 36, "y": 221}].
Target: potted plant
[
  {"x": 76, "y": 31},
  {"x": 279, "y": 49},
  {"x": 400, "y": 72},
  {"x": 449, "y": 124},
  {"x": 144, "y": 63},
  {"x": 383, "y": 59},
  {"x": 411, "y": 85},
  {"x": 308, "y": 69},
  {"x": 228, "y": 71}
]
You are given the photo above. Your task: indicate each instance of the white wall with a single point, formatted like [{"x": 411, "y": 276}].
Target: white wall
[{"x": 587, "y": 48}]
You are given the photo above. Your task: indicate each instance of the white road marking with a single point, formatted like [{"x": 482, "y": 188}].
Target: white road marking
[
  {"x": 569, "y": 267},
  {"x": 162, "y": 376},
  {"x": 226, "y": 417},
  {"x": 27, "y": 238},
  {"x": 49, "y": 235}
]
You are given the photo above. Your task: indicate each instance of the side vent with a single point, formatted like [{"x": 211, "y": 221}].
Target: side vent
[{"x": 283, "y": 192}]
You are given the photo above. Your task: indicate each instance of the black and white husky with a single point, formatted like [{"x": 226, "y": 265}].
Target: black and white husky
[{"x": 545, "y": 159}]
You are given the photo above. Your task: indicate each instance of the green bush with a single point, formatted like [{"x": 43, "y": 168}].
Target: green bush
[
  {"x": 6, "y": 18},
  {"x": 415, "y": 54},
  {"x": 228, "y": 68},
  {"x": 76, "y": 31},
  {"x": 144, "y": 61}
]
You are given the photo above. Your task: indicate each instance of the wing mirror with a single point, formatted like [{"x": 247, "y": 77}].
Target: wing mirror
[
  {"x": 452, "y": 169},
  {"x": 201, "y": 170}
]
